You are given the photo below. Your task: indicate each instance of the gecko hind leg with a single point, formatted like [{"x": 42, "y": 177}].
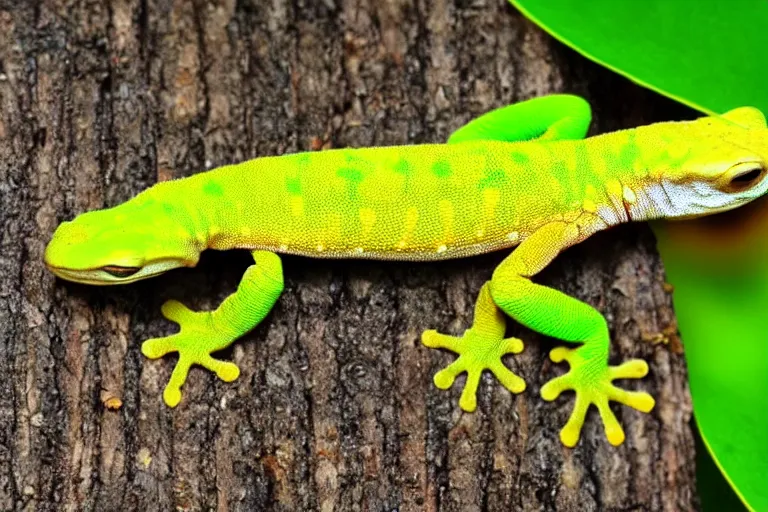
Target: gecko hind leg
[{"x": 480, "y": 348}]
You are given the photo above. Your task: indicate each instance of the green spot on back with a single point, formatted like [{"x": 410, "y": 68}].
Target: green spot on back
[
  {"x": 442, "y": 168},
  {"x": 494, "y": 178},
  {"x": 630, "y": 151},
  {"x": 293, "y": 185},
  {"x": 581, "y": 156},
  {"x": 520, "y": 158},
  {"x": 350, "y": 174},
  {"x": 403, "y": 167},
  {"x": 212, "y": 188},
  {"x": 353, "y": 177}
]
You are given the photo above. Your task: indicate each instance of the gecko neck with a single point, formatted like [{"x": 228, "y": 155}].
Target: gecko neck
[
  {"x": 211, "y": 218},
  {"x": 635, "y": 176}
]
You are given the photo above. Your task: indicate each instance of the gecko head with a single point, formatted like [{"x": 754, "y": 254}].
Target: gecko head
[
  {"x": 717, "y": 163},
  {"x": 120, "y": 245}
]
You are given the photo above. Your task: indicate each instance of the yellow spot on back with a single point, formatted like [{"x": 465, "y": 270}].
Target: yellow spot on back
[
  {"x": 442, "y": 248},
  {"x": 367, "y": 220},
  {"x": 320, "y": 248},
  {"x": 411, "y": 218},
  {"x": 589, "y": 206},
  {"x": 297, "y": 206},
  {"x": 491, "y": 197},
  {"x": 445, "y": 208},
  {"x": 613, "y": 187}
]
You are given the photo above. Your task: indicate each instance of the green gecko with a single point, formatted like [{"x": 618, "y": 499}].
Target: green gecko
[{"x": 522, "y": 175}]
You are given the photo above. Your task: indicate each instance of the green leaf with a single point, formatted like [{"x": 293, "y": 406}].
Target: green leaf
[
  {"x": 714, "y": 491},
  {"x": 710, "y": 55}
]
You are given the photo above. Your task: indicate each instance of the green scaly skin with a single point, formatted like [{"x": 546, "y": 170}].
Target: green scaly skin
[{"x": 523, "y": 175}]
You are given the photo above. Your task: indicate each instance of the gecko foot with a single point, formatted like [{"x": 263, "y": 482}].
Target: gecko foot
[
  {"x": 195, "y": 342},
  {"x": 591, "y": 379},
  {"x": 480, "y": 348}
]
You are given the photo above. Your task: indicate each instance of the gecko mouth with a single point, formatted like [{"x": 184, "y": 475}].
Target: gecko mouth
[
  {"x": 82, "y": 276},
  {"x": 120, "y": 272},
  {"x": 114, "y": 274}
]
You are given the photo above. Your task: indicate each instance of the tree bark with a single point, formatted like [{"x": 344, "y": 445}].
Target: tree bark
[{"x": 335, "y": 407}]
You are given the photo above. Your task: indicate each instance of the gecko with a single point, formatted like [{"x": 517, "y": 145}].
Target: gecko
[{"x": 524, "y": 176}]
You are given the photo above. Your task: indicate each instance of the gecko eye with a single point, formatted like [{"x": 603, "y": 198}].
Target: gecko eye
[
  {"x": 746, "y": 178},
  {"x": 116, "y": 271}
]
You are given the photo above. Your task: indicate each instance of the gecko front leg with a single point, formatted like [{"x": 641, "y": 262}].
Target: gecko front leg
[
  {"x": 555, "y": 314},
  {"x": 480, "y": 348},
  {"x": 205, "y": 332}
]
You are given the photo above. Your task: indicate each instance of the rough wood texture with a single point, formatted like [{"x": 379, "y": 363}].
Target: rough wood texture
[{"x": 335, "y": 408}]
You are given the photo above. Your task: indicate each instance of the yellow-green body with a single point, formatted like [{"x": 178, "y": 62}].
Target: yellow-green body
[
  {"x": 523, "y": 175},
  {"x": 424, "y": 202}
]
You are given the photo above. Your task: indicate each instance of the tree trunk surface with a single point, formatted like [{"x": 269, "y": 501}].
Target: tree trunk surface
[{"x": 335, "y": 407}]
